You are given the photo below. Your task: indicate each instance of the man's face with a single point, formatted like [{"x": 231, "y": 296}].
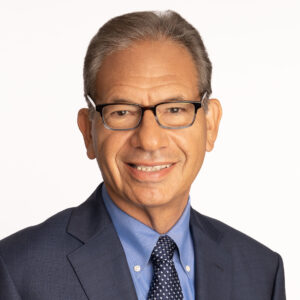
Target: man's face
[{"x": 148, "y": 73}]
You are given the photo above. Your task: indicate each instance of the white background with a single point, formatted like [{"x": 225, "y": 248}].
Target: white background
[{"x": 250, "y": 180}]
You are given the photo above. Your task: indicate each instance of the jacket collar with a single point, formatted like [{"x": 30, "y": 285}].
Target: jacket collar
[
  {"x": 213, "y": 265},
  {"x": 99, "y": 263}
]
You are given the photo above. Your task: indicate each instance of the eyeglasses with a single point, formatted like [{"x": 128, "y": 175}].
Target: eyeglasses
[{"x": 128, "y": 116}]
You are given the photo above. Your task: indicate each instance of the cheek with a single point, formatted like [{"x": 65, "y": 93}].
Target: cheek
[
  {"x": 194, "y": 142},
  {"x": 196, "y": 153},
  {"x": 108, "y": 145},
  {"x": 198, "y": 145}
]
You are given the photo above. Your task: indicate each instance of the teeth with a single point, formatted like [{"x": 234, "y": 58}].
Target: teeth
[{"x": 153, "y": 168}]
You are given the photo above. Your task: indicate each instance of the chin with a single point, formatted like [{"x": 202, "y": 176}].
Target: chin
[{"x": 152, "y": 197}]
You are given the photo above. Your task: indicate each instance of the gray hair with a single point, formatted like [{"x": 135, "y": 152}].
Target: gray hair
[{"x": 119, "y": 32}]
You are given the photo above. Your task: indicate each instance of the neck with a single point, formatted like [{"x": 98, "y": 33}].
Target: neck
[{"x": 160, "y": 218}]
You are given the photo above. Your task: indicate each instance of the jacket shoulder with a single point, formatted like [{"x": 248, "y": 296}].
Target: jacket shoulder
[
  {"x": 33, "y": 240},
  {"x": 255, "y": 269},
  {"x": 54, "y": 223},
  {"x": 232, "y": 239}
]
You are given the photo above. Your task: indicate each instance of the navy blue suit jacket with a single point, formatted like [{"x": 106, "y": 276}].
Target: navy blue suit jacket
[{"x": 77, "y": 255}]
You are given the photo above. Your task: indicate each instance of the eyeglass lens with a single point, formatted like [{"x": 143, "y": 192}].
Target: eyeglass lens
[{"x": 126, "y": 116}]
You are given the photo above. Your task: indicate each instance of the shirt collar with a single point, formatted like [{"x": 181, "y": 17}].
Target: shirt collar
[{"x": 138, "y": 240}]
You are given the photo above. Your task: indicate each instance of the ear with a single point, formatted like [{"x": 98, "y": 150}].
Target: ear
[
  {"x": 213, "y": 117},
  {"x": 85, "y": 126}
]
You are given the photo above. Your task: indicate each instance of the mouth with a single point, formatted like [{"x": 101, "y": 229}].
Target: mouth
[
  {"x": 146, "y": 168},
  {"x": 154, "y": 172}
]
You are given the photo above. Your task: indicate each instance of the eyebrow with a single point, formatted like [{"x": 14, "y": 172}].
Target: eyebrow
[{"x": 122, "y": 100}]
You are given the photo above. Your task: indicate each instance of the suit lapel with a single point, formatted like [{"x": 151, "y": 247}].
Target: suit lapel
[
  {"x": 212, "y": 262},
  {"x": 100, "y": 263},
  {"x": 101, "y": 266}
]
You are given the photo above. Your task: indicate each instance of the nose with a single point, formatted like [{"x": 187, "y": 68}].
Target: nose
[{"x": 149, "y": 136}]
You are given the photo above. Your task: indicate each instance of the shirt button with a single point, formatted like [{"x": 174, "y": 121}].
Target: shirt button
[
  {"x": 137, "y": 268},
  {"x": 187, "y": 268}
]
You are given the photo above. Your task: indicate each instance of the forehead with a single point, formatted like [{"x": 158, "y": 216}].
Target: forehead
[{"x": 148, "y": 69}]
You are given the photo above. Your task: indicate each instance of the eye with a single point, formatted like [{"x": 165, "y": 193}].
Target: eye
[
  {"x": 175, "y": 110},
  {"x": 121, "y": 112}
]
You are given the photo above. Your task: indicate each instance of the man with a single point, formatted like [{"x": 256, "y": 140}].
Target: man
[{"x": 149, "y": 123}]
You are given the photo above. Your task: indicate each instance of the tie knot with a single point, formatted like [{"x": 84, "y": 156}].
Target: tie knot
[{"x": 163, "y": 250}]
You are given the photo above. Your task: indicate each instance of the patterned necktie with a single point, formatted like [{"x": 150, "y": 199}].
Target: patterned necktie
[{"x": 165, "y": 282}]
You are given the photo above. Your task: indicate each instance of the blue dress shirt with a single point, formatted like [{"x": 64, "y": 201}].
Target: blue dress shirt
[{"x": 138, "y": 241}]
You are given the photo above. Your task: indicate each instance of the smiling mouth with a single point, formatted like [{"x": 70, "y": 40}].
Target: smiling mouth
[{"x": 150, "y": 168}]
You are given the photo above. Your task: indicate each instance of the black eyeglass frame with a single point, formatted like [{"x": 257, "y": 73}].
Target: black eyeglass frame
[{"x": 99, "y": 108}]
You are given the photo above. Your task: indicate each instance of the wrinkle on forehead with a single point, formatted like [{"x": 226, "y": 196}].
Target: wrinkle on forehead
[
  {"x": 153, "y": 94},
  {"x": 150, "y": 70}
]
